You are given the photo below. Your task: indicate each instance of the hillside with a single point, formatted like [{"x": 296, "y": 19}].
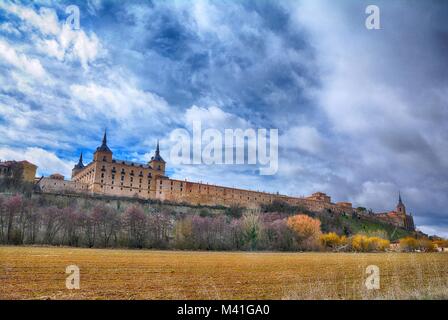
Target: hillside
[{"x": 97, "y": 221}]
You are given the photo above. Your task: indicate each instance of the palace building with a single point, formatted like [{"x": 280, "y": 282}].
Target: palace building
[{"x": 108, "y": 176}]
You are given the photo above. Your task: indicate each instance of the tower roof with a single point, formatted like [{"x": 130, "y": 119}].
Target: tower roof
[
  {"x": 104, "y": 147},
  {"x": 157, "y": 156},
  {"x": 79, "y": 165},
  {"x": 399, "y": 198}
]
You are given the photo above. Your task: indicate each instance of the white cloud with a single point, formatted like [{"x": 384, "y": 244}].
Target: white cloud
[
  {"x": 305, "y": 138},
  {"x": 215, "y": 118},
  {"x": 55, "y": 38},
  {"x": 377, "y": 195},
  {"x": 434, "y": 230},
  {"x": 120, "y": 101},
  {"x": 45, "y": 21},
  {"x": 9, "y": 28},
  {"x": 20, "y": 61}
]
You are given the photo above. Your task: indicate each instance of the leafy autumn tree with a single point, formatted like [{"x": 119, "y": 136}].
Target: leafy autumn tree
[
  {"x": 408, "y": 244},
  {"x": 307, "y": 230},
  {"x": 330, "y": 240},
  {"x": 426, "y": 245},
  {"x": 377, "y": 244},
  {"x": 360, "y": 243}
]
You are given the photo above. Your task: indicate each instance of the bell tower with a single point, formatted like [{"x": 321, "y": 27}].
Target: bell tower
[
  {"x": 400, "y": 206},
  {"x": 103, "y": 153},
  {"x": 157, "y": 162}
]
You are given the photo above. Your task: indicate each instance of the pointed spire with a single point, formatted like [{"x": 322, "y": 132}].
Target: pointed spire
[
  {"x": 80, "y": 165},
  {"x": 399, "y": 198},
  {"x": 80, "y": 159},
  {"x": 104, "y": 146},
  {"x": 157, "y": 156},
  {"x": 105, "y": 137}
]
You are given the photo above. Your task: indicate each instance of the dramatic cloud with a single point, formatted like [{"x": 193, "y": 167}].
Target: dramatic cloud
[{"x": 361, "y": 113}]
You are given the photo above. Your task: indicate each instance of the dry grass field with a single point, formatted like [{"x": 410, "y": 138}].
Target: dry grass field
[{"x": 39, "y": 273}]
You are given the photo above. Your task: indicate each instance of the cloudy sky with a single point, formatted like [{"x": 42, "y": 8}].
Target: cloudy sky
[{"x": 361, "y": 113}]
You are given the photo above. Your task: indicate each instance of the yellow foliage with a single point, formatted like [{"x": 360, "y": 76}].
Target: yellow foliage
[
  {"x": 427, "y": 245},
  {"x": 408, "y": 244},
  {"x": 304, "y": 226},
  {"x": 331, "y": 240},
  {"x": 364, "y": 243}
]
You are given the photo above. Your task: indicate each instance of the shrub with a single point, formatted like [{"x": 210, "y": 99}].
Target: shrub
[
  {"x": 426, "y": 245},
  {"x": 306, "y": 229},
  {"x": 234, "y": 211},
  {"x": 408, "y": 244},
  {"x": 363, "y": 243},
  {"x": 330, "y": 240},
  {"x": 378, "y": 244},
  {"x": 360, "y": 243},
  {"x": 252, "y": 229}
]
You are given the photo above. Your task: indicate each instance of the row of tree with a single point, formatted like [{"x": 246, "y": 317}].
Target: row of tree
[
  {"x": 25, "y": 220},
  {"x": 30, "y": 221}
]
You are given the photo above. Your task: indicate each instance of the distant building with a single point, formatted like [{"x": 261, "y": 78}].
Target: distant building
[
  {"x": 398, "y": 217},
  {"x": 27, "y": 169}
]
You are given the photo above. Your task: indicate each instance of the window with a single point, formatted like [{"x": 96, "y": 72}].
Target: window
[{"x": 122, "y": 178}]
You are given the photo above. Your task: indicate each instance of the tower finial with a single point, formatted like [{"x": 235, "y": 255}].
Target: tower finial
[
  {"x": 399, "y": 197},
  {"x": 105, "y": 137},
  {"x": 157, "y": 148}
]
